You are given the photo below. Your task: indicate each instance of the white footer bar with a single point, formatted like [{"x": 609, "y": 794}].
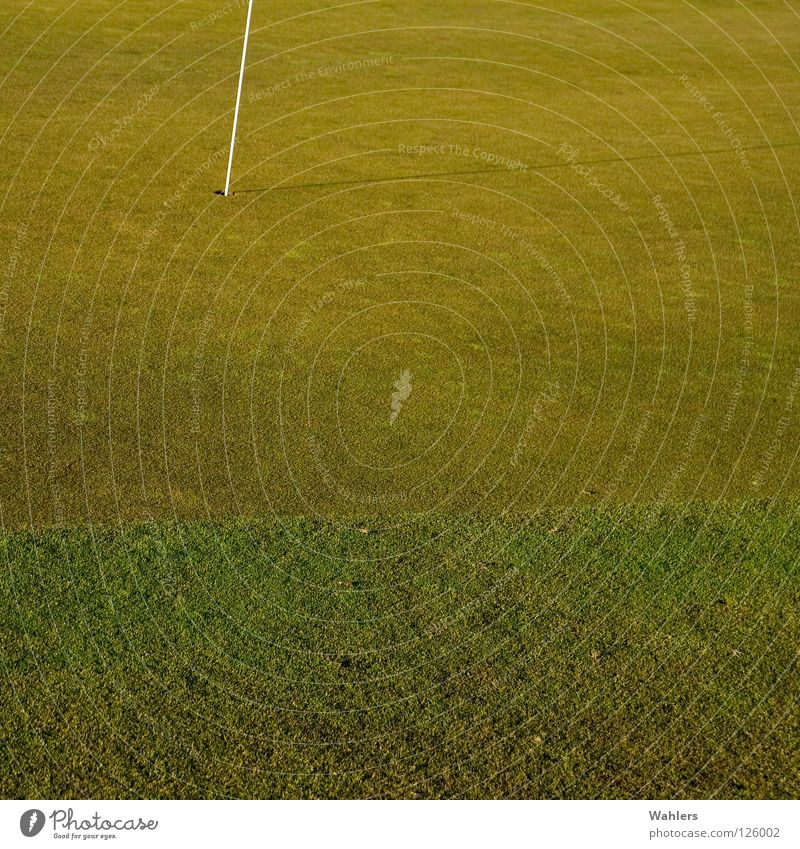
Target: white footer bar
[{"x": 375, "y": 825}]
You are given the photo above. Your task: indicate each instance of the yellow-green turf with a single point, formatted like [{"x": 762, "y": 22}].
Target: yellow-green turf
[{"x": 489, "y": 266}]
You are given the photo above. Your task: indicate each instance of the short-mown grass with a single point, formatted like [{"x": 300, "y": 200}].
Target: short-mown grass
[
  {"x": 513, "y": 288},
  {"x": 168, "y": 352},
  {"x": 601, "y": 654}
]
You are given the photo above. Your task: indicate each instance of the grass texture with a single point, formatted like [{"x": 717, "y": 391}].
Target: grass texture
[
  {"x": 455, "y": 454},
  {"x": 603, "y": 297},
  {"x": 636, "y": 654}
]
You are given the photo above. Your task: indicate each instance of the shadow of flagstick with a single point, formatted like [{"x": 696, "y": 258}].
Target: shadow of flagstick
[
  {"x": 546, "y": 167},
  {"x": 367, "y": 180}
]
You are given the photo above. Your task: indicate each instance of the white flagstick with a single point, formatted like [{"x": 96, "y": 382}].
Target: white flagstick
[{"x": 238, "y": 97}]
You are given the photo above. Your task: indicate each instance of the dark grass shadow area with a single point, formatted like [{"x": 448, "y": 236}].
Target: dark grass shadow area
[{"x": 631, "y": 653}]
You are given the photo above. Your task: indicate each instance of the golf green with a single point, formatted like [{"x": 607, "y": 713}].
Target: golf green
[{"x": 498, "y": 330}]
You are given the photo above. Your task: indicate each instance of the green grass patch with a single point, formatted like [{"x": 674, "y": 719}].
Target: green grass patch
[{"x": 634, "y": 653}]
